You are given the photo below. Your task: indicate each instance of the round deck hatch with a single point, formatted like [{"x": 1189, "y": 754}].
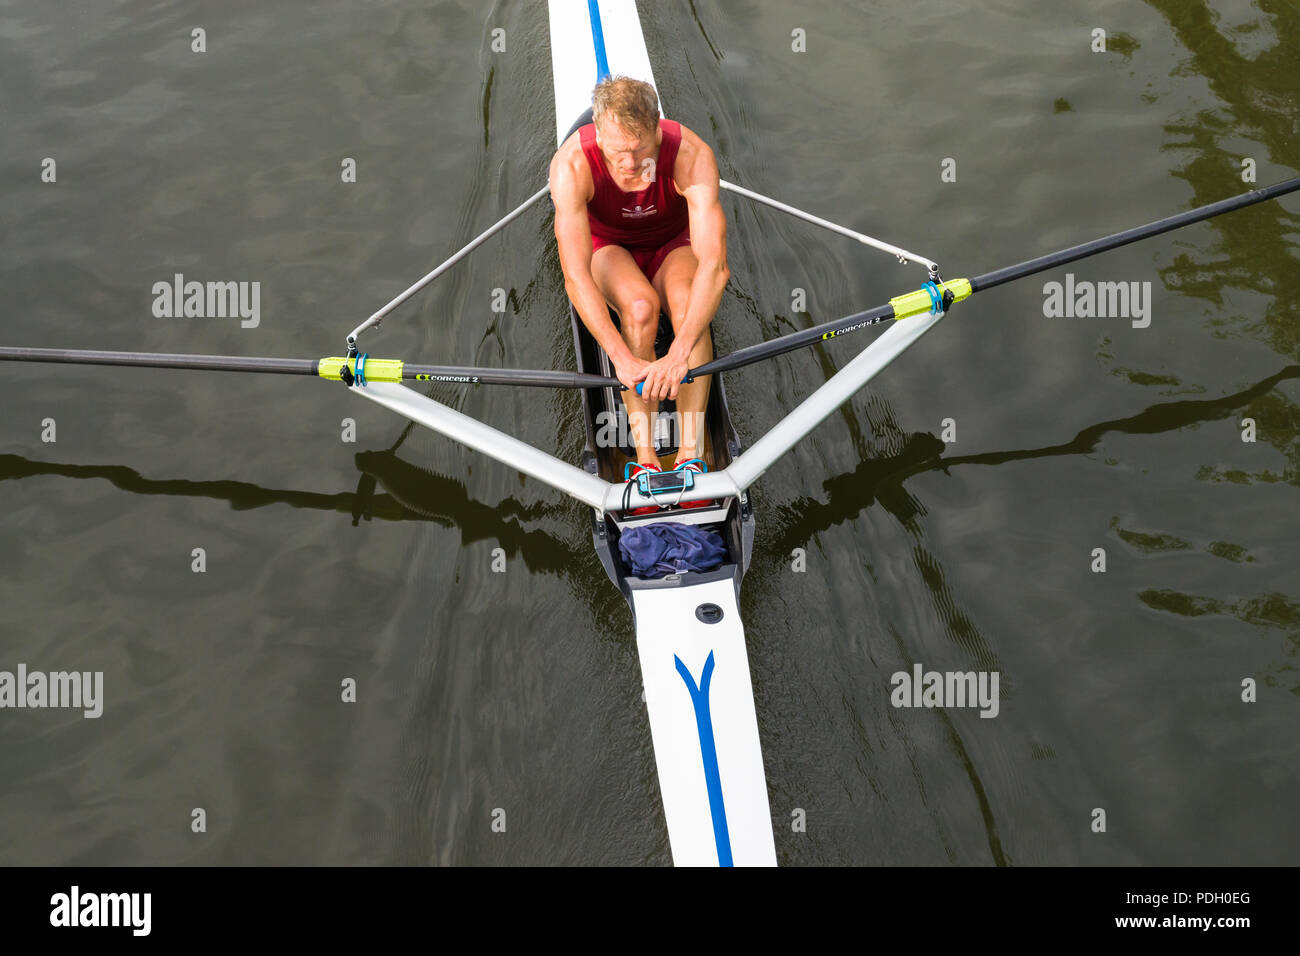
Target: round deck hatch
[{"x": 709, "y": 613}]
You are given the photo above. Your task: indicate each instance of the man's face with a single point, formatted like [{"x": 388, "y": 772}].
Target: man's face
[{"x": 628, "y": 153}]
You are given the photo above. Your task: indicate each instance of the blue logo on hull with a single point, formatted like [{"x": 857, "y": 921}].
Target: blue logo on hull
[{"x": 709, "y": 751}]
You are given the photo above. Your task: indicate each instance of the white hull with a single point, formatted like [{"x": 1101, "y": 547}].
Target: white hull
[
  {"x": 574, "y": 58},
  {"x": 705, "y": 732},
  {"x": 696, "y": 674}
]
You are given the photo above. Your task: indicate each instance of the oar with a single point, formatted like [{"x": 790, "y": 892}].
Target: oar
[
  {"x": 916, "y": 303},
  {"x": 373, "y": 370},
  {"x": 932, "y": 297}
]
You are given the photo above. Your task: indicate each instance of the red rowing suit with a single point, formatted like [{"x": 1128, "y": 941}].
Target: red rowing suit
[{"x": 650, "y": 222}]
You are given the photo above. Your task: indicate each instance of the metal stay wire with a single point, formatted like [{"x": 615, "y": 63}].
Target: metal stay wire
[
  {"x": 473, "y": 244},
  {"x": 900, "y": 253}
]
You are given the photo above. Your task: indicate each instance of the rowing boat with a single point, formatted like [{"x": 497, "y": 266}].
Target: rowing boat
[{"x": 690, "y": 638}]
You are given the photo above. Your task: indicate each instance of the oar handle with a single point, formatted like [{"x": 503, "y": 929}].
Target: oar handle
[{"x": 686, "y": 381}]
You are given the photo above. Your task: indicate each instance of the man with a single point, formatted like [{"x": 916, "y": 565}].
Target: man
[{"x": 639, "y": 227}]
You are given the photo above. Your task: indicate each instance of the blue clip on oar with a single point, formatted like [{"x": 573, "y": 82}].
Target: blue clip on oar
[{"x": 686, "y": 381}]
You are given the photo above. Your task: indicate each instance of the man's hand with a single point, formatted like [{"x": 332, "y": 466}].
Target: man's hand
[
  {"x": 661, "y": 378},
  {"x": 629, "y": 370}
]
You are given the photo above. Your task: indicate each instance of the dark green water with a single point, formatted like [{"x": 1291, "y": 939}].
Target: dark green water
[{"x": 521, "y": 690}]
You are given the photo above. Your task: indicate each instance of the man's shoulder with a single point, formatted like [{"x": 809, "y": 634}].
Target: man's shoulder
[
  {"x": 690, "y": 140},
  {"x": 695, "y": 160},
  {"x": 570, "y": 149},
  {"x": 570, "y": 175}
]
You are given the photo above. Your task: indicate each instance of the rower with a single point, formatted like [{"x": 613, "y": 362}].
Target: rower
[{"x": 639, "y": 228}]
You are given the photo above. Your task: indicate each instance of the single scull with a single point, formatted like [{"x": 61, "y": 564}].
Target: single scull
[{"x": 690, "y": 638}]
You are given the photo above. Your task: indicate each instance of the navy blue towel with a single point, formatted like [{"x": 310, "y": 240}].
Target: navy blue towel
[{"x": 655, "y": 550}]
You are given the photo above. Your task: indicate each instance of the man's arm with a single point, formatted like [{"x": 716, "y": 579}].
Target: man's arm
[
  {"x": 708, "y": 242},
  {"x": 573, "y": 237},
  {"x": 697, "y": 181}
]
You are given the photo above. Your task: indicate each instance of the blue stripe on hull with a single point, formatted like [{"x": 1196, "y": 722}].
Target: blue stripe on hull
[
  {"x": 598, "y": 39},
  {"x": 709, "y": 751}
]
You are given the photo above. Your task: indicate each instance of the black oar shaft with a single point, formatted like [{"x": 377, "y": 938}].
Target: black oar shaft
[
  {"x": 1052, "y": 260},
  {"x": 284, "y": 366},
  {"x": 217, "y": 363},
  {"x": 507, "y": 376},
  {"x": 796, "y": 340}
]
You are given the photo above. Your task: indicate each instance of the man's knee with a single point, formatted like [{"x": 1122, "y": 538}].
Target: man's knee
[{"x": 641, "y": 314}]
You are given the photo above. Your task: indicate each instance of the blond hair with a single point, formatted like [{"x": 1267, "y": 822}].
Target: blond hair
[{"x": 632, "y": 104}]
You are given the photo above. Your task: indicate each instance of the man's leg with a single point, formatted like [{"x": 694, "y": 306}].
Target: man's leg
[
  {"x": 626, "y": 288},
  {"x": 673, "y": 284}
]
